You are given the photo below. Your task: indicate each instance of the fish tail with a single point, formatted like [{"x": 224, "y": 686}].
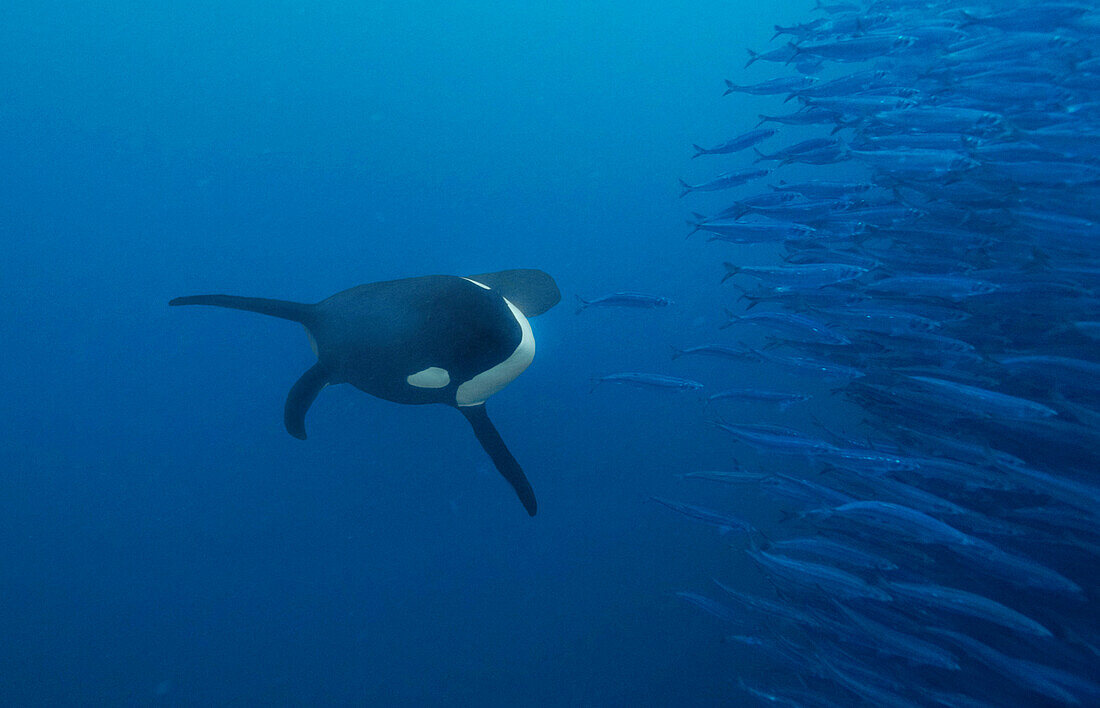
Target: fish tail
[
  {"x": 730, "y": 87},
  {"x": 698, "y": 151},
  {"x": 581, "y": 304},
  {"x": 731, "y": 270},
  {"x": 685, "y": 187},
  {"x": 753, "y": 56},
  {"x": 761, "y": 156},
  {"x": 797, "y": 51},
  {"x": 697, "y": 224}
]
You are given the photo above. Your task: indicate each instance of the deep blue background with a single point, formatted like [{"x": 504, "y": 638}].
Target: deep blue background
[{"x": 162, "y": 539}]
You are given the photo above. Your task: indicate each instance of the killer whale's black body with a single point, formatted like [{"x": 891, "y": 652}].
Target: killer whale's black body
[{"x": 433, "y": 339}]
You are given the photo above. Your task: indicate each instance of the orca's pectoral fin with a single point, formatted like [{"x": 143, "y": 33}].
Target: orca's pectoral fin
[
  {"x": 301, "y": 397},
  {"x": 490, "y": 439}
]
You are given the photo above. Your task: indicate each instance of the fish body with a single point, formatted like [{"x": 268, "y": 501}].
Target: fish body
[
  {"x": 797, "y": 327},
  {"x": 916, "y": 159},
  {"x": 718, "y": 350},
  {"x": 1027, "y": 674},
  {"x": 889, "y": 641},
  {"x": 825, "y": 190},
  {"x": 859, "y": 106},
  {"x": 644, "y": 380},
  {"x": 768, "y": 608},
  {"x": 808, "y": 115},
  {"x": 737, "y": 477},
  {"x": 803, "y": 213},
  {"x": 835, "y": 552},
  {"x": 726, "y": 180},
  {"x": 856, "y": 49},
  {"x": 741, "y": 142},
  {"x": 775, "y": 439},
  {"x": 781, "y": 55},
  {"x": 785, "y": 84},
  {"x": 818, "y": 368},
  {"x": 833, "y": 581},
  {"x": 844, "y": 85},
  {"x": 982, "y": 401},
  {"x": 625, "y": 299},
  {"x": 1037, "y": 18},
  {"x": 783, "y": 398},
  {"x": 898, "y": 521},
  {"x": 880, "y": 320},
  {"x": 800, "y": 277},
  {"x": 969, "y": 604},
  {"x": 942, "y": 119},
  {"x": 725, "y": 522},
  {"x": 803, "y": 492},
  {"x": 746, "y": 232},
  {"x": 947, "y": 287},
  {"x": 709, "y": 606},
  {"x": 744, "y": 206}
]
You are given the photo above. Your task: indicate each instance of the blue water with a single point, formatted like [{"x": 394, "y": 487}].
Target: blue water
[{"x": 163, "y": 541}]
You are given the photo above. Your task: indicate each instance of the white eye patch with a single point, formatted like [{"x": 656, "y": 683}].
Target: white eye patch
[{"x": 432, "y": 377}]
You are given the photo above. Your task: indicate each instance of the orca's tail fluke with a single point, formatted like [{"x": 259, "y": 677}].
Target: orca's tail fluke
[
  {"x": 295, "y": 311},
  {"x": 490, "y": 439}
]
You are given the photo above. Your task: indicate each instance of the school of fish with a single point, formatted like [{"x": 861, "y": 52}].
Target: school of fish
[{"x": 926, "y": 198}]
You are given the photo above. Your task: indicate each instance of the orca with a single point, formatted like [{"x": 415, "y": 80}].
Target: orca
[{"x": 430, "y": 339}]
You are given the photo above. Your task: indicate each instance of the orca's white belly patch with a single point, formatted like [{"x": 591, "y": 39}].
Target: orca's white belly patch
[{"x": 479, "y": 388}]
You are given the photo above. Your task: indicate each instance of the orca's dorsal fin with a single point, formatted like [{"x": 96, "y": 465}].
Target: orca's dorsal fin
[
  {"x": 301, "y": 397},
  {"x": 532, "y": 291}
]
